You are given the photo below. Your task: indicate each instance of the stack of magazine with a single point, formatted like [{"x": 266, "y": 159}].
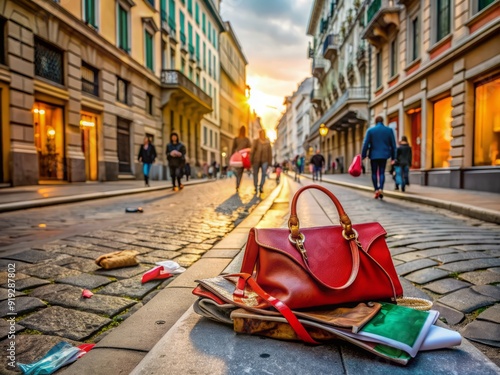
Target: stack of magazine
[{"x": 393, "y": 332}]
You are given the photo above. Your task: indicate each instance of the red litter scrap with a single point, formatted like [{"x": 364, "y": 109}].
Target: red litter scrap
[{"x": 87, "y": 293}]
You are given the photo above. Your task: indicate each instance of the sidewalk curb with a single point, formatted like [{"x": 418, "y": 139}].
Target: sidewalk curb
[
  {"x": 35, "y": 203},
  {"x": 131, "y": 336},
  {"x": 484, "y": 214}
]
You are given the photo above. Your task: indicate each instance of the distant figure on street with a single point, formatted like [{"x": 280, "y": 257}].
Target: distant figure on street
[
  {"x": 239, "y": 143},
  {"x": 379, "y": 145},
  {"x": 176, "y": 156},
  {"x": 277, "y": 170},
  {"x": 403, "y": 163},
  {"x": 340, "y": 165},
  {"x": 187, "y": 171},
  {"x": 318, "y": 163},
  {"x": 261, "y": 157},
  {"x": 147, "y": 156}
]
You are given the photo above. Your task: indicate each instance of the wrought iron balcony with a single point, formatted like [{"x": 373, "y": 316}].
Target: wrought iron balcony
[
  {"x": 318, "y": 67},
  {"x": 331, "y": 47},
  {"x": 176, "y": 83},
  {"x": 382, "y": 17}
]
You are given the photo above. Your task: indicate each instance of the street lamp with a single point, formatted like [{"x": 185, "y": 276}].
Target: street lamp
[{"x": 323, "y": 131}]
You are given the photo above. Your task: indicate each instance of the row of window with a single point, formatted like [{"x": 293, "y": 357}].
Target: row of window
[{"x": 442, "y": 13}]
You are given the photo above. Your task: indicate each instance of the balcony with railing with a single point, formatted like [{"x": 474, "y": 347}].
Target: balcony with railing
[
  {"x": 318, "y": 67},
  {"x": 331, "y": 47},
  {"x": 349, "y": 109},
  {"x": 316, "y": 97},
  {"x": 382, "y": 18},
  {"x": 175, "y": 84}
]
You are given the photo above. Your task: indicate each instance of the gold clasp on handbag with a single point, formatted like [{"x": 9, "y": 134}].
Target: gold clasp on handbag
[{"x": 299, "y": 244}]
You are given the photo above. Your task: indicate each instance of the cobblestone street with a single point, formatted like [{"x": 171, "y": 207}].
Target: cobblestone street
[
  {"x": 451, "y": 258},
  {"x": 50, "y": 274}
]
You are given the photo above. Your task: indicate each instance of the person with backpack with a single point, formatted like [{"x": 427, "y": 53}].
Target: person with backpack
[
  {"x": 176, "y": 156},
  {"x": 318, "y": 162},
  {"x": 402, "y": 164}
]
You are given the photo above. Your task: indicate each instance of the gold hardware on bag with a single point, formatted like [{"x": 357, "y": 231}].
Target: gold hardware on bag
[{"x": 299, "y": 244}]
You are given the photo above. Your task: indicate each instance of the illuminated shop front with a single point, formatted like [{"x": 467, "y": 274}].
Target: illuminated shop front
[
  {"x": 88, "y": 131},
  {"x": 49, "y": 141}
]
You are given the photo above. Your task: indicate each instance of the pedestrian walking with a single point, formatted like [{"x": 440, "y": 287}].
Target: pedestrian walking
[
  {"x": 296, "y": 168},
  {"x": 379, "y": 145},
  {"x": 277, "y": 170},
  {"x": 239, "y": 143},
  {"x": 176, "y": 156},
  {"x": 261, "y": 156},
  {"x": 187, "y": 171},
  {"x": 147, "y": 156},
  {"x": 403, "y": 163},
  {"x": 318, "y": 163}
]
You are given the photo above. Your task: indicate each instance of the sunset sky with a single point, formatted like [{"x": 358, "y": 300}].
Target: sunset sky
[{"x": 273, "y": 36}]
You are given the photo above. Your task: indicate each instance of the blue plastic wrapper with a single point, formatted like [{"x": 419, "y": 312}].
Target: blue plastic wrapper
[{"x": 59, "y": 355}]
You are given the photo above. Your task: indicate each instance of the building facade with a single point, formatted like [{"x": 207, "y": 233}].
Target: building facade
[
  {"x": 339, "y": 66},
  {"x": 436, "y": 77},
  {"x": 293, "y": 126},
  {"x": 83, "y": 82},
  {"x": 78, "y": 93},
  {"x": 234, "y": 108}
]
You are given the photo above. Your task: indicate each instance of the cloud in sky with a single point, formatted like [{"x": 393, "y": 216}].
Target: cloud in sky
[{"x": 273, "y": 36}]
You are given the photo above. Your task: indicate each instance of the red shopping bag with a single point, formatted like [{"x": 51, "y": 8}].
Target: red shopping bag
[
  {"x": 240, "y": 159},
  {"x": 355, "y": 167}
]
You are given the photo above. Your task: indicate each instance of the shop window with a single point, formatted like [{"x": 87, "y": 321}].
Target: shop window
[
  {"x": 49, "y": 140},
  {"x": 88, "y": 133},
  {"x": 122, "y": 90},
  {"x": 487, "y": 123},
  {"x": 123, "y": 145},
  {"x": 90, "y": 79},
  {"x": 48, "y": 62},
  {"x": 441, "y": 133}
]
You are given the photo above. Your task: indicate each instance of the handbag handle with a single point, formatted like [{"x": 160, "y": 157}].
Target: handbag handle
[{"x": 293, "y": 221}]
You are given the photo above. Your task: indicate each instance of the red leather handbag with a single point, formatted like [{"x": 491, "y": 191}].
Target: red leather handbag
[
  {"x": 355, "y": 167},
  {"x": 312, "y": 267}
]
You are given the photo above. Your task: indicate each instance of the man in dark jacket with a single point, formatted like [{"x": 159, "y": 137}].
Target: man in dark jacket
[
  {"x": 147, "y": 155},
  {"x": 318, "y": 162},
  {"x": 379, "y": 145},
  {"x": 176, "y": 156},
  {"x": 403, "y": 163}
]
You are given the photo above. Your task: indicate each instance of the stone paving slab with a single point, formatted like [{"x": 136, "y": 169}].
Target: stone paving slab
[
  {"x": 123, "y": 273},
  {"x": 5, "y": 330},
  {"x": 453, "y": 243},
  {"x": 481, "y": 247},
  {"x": 82, "y": 253},
  {"x": 450, "y": 315},
  {"x": 449, "y": 258},
  {"x": 30, "y": 283},
  {"x": 491, "y": 314},
  {"x": 426, "y": 275},
  {"x": 105, "y": 361},
  {"x": 23, "y": 305},
  {"x": 481, "y": 277},
  {"x": 446, "y": 286},
  {"x": 29, "y": 348},
  {"x": 29, "y": 256},
  {"x": 132, "y": 288},
  {"x": 50, "y": 271},
  {"x": 83, "y": 265},
  {"x": 471, "y": 265},
  {"x": 68, "y": 323},
  {"x": 164, "y": 254},
  {"x": 466, "y": 300},
  {"x": 4, "y": 294},
  {"x": 221, "y": 253},
  {"x": 85, "y": 281},
  {"x": 186, "y": 260},
  {"x": 485, "y": 332},
  {"x": 415, "y": 265},
  {"x": 71, "y": 297},
  {"x": 492, "y": 291}
]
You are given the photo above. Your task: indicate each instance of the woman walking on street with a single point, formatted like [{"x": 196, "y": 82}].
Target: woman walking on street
[
  {"x": 379, "y": 145},
  {"x": 176, "y": 156},
  {"x": 239, "y": 143},
  {"x": 403, "y": 163},
  {"x": 147, "y": 156},
  {"x": 261, "y": 157}
]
